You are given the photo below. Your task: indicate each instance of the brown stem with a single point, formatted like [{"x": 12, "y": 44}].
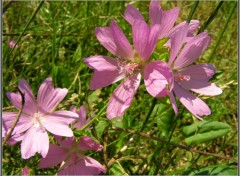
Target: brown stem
[
  {"x": 172, "y": 143},
  {"x": 16, "y": 120},
  {"x": 105, "y": 141}
]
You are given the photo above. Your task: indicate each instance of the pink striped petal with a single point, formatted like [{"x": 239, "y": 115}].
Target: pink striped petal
[
  {"x": 192, "y": 50},
  {"x": 35, "y": 140},
  {"x": 155, "y": 13},
  {"x": 23, "y": 124},
  {"x": 114, "y": 40},
  {"x": 30, "y": 105},
  {"x": 194, "y": 104},
  {"x": 57, "y": 122},
  {"x": 157, "y": 76},
  {"x": 123, "y": 95},
  {"x": 54, "y": 156},
  {"x": 65, "y": 143},
  {"x": 177, "y": 40},
  {"x": 87, "y": 143},
  {"x": 82, "y": 120},
  {"x": 106, "y": 71},
  {"x": 48, "y": 97},
  {"x": 174, "y": 104},
  {"x": 132, "y": 14},
  {"x": 81, "y": 165}
]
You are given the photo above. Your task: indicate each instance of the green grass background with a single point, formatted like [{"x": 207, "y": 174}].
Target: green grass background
[{"x": 62, "y": 34}]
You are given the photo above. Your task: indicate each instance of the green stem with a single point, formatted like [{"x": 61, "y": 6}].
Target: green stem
[
  {"x": 222, "y": 32},
  {"x": 211, "y": 17},
  {"x": 24, "y": 30},
  {"x": 192, "y": 11}
]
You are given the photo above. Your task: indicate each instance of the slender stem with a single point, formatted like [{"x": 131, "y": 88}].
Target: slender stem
[
  {"x": 222, "y": 32},
  {"x": 7, "y": 6},
  {"x": 16, "y": 120},
  {"x": 211, "y": 17},
  {"x": 34, "y": 14},
  {"x": 192, "y": 11},
  {"x": 172, "y": 143}
]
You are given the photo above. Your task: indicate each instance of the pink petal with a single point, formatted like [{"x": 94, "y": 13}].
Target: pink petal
[
  {"x": 123, "y": 95},
  {"x": 106, "y": 71},
  {"x": 177, "y": 40},
  {"x": 23, "y": 124},
  {"x": 35, "y": 140},
  {"x": 157, "y": 76},
  {"x": 13, "y": 139},
  {"x": 114, "y": 40},
  {"x": 81, "y": 121},
  {"x": 174, "y": 104},
  {"x": 155, "y": 13},
  {"x": 48, "y": 97},
  {"x": 194, "y": 104},
  {"x": 81, "y": 165},
  {"x": 192, "y": 50},
  {"x": 16, "y": 99},
  {"x": 87, "y": 143},
  {"x": 54, "y": 156},
  {"x": 199, "y": 76},
  {"x": 65, "y": 143},
  {"x": 57, "y": 122},
  {"x": 132, "y": 14}
]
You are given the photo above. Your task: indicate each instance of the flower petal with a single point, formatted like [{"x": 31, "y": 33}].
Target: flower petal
[
  {"x": 35, "y": 140},
  {"x": 81, "y": 165},
  {"x": 87, "y": 143},
  {"x": 123, "y": 95},
  {"x": 81, "y": 121},
  {"x": 23, "y": 123},
  {"x": 157, "y": 76},
  {"x": 114, "y": 40},
  {"x": 65, "y": 143},
  {"x": 48, "y": 97},
  {"x": 192, "y": 50},
  {"x": 57, "y": 122},
  {"x": 155, "y": 13},
  {"x": 54, "y": 156},
  {"x": 199, "y": 76},
  {"x": 106, "y": 71},
  {"x": 194, "y": 104},
  {"x": 177, "y": 40},
  {"x": 132, "y": 14}
]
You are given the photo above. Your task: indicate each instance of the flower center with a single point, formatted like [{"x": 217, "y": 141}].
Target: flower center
[
  {"x": 37, "y": 119},
  {"x": 180, "y": 77},
  {"x": 129, "y": 68}
]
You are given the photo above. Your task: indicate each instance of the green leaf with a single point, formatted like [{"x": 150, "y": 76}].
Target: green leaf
[
  {"x": 101, "y": 127},
  {"x": 204, "y": 131},
  {"x": 213, "y": 170},
  {"x": 116, "y": 169}
]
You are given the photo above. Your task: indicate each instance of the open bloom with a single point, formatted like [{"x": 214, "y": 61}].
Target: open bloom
[
  {"x": 72, "y": 153},
  {"x": 82, "y": 120},
  {"x": 189, "y": 77},
  {"x": 128, "y": 65},
  {"x": 38, "y": 117}
]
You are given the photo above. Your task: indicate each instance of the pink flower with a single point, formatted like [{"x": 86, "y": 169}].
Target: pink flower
[
  {"x": 72, "y": 153},
  {"x": 191, "y": 77},
  {"x": 165, "y": 19},
  {"x": 12, "y": 43},
  {"x": 128, "y": 65},
  {"x": 38, "y": 117},
  {"x": 25, "y": 171},
  {"x": 82, "y": 120}
]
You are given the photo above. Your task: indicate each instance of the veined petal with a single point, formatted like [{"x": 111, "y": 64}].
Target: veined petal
[
  {"x": 87, "y": 143},
  {"x": 168, "y": 19},
  {"x": 192, "y": 50},
  {"x": 48, "y": 97},
  {"x": 54, "y": 156},
  {"x": 141, "y": 32},
  {"x": 174, "y": 104},
  {"x": 123, "y": 95},
  {"x": 35, "y": 140},
  {"x": 157, "y": 76},
  {"x": 132, "y": 14},
  {"x": 114, "y": 40},
  {"x": 23, "y": 124},
  {"x": 81, "y": 165},
  {"x": 155, "y": 13},
  {"x": 81, "y": 121},
  {"x": 57, "y": 122},
  {"x": 177, "y": 40},
  {"x": 194, "y": 104},
  {"x": 106, "y": 71},
  {"x": 65, "y": 143}
]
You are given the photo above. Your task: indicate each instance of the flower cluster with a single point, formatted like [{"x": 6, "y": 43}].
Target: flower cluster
[{"x": 177, "y": 77}]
